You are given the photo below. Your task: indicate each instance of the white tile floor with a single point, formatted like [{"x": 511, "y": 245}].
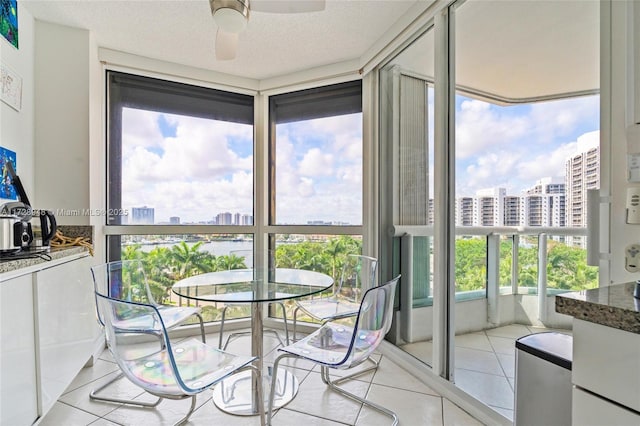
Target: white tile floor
[
  {"x": 391, "y": 386},
  {"x": 485, "y": 363}
]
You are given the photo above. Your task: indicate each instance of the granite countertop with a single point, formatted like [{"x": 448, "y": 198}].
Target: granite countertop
[
  {"x": 612, "y": 306},
  {"x": 9, "y": 265}
]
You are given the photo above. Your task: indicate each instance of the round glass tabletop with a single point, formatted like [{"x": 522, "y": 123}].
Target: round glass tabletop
[{"x": 250, "y": 285}]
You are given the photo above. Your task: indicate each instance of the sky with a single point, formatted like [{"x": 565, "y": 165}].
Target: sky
[
  {"x": 514, "y": 146},
  {"x": 196, "y": 168}
]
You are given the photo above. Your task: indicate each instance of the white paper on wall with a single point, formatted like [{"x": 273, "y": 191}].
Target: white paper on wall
[{"x": 11, "y": 90}]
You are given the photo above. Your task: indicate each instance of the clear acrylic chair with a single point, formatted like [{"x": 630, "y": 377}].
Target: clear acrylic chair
[
  {"x": 240, "y": 258},
  {"x": 357, "y": 276},
  {"x": 126, "y": 280},
  {"x": 171, "y": 370},
  {"x": 340, "y": 346}
]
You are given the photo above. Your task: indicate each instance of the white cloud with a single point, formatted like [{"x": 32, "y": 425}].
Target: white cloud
[
  {"x": 194, "y": 175},
  {"x": 495, "y": 169},
  {"x": 557, "y": 119},
  {"x": 547, "y": 164},
  {"x": 316, "y": 163},
  {"x": 141, "y": 128},
  {"x": 480, "y": 127}
]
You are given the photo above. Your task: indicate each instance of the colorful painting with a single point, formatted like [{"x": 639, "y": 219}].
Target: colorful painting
[
  {"x": 9, "y": 21},
  {"x": 7, "y": 190}
]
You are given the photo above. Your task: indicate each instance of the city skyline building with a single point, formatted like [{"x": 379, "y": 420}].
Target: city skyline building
[
  {"x": 582, "y": 172},
  {"x": 142, "y": 215}
]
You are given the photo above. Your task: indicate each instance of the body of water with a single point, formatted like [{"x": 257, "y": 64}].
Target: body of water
[{"x": 217, "y": 248}]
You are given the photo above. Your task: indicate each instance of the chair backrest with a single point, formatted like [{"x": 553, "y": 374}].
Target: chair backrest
[
  {"x": 156, "y": 367},
  {"x": 358, "y": 275},
  {"x": 122, "y": 280},
  {"x": 372, "y": 323}
]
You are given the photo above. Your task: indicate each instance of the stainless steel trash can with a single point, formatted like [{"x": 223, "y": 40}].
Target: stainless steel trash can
[{"x": 543, "y": 380}]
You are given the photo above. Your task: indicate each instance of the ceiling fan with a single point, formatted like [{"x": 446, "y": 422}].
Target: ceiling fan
[{"x": 232, "y": 17}]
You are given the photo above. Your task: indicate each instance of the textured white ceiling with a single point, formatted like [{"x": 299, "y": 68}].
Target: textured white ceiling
[
  {"x": 183, "y": 31},
  {"x": 517, "y": 50},
  {"x": 555, "y": 44}
]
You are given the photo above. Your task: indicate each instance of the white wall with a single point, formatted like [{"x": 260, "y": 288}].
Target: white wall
[
  {"x": 63, "y": 64},
  {"x": 621, "y": 234},
  {"x": 16, "y": 127}
]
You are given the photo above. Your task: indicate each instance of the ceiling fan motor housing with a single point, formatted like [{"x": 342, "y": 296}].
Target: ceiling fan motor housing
[{"x": 230, "y": 15}]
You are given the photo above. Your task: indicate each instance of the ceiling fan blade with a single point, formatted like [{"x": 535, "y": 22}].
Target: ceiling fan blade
[
  {"x": 226, "y": 45},
  {"x": 287, "y": 6}
]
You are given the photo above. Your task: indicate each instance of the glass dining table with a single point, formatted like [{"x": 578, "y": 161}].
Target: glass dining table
[{"x": 238, "y": 394}]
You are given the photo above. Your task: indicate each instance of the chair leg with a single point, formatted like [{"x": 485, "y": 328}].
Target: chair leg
[
  {"x": 295, "y": 322},
  {"x": 358, "y": 373},
  {"x": 185, "y": 419},
  {"x": 224, "y": 311},
  {"x": 286, "y": 325},
  {"x": 233, "y": 335},
  {"x": 201, "y": 327},
  {"x": 324, "y": 374},
  {"x": 95, "y": 397},
  {"x": 274, "y": 375}
]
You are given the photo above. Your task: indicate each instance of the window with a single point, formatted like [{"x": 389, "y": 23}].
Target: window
[
  {"x": 178, "y": 154},
  {"x": 182, "y": 178},
  {"x": 316, "y": 146}
]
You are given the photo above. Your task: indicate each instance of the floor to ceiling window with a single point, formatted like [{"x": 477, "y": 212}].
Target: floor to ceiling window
[
  {"x": 316, "y": 177},
  {"x": 517, "y": 126},
  {"x": 180, "y": 192},
  {"x": 187, "y": 189},
  {"x": 407, "y": 106}
]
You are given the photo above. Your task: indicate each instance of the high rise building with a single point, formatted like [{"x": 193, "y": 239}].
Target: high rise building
[
  {"x": 174, "y": 220},
  {"x": 142, "y": 215},
  {"x": 224, "y": 219},
  {"x": 582, "y": 173},
  {"x": 464, "y": 211},
  {"x": 544, "y": 204},
  {"x": 488, "y": 207},
  {"x": 512, "y": 211}
]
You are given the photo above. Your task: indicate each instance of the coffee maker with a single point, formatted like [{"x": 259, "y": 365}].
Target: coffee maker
[{"x": 22, "y": 213}]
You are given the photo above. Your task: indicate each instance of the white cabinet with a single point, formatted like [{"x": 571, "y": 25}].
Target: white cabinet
[
  {"x": 606, "y": 363},
  {"x": 595, "y": 411},
  {"x": 48, "y": 333},
  {"x": 18, "y": 400},
  {"x": 67, "y": 326}
]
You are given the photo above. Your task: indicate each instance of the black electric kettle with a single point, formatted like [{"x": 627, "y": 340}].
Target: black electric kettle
[{"x": 48, "y": 226}]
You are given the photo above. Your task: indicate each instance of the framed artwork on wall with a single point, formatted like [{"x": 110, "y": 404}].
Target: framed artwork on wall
[
  {"x": 11, "y": 87},
  {"x": 7, "y": 190},
  {"x": 9, "y": 21}
]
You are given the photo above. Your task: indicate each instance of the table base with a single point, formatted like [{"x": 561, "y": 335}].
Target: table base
[{"x": 233, "y": 394}]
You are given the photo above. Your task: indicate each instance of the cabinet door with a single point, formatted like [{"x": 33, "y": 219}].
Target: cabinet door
[
  {"x": 606, "y": 361},
  {"x": 18, "y": 386},
  {"x": 67, "y": 325},
  {"x": 590, "y": 410}
]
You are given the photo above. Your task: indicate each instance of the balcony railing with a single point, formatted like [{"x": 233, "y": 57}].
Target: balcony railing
[{"x": 417, "y": 294}]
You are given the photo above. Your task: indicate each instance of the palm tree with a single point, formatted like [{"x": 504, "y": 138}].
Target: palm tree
[
  {"x": 187, "y": 260},
  {"x": 231, "y": 261},
  {"x": 132, "y": 252},
  {"x": 159, "y": 273}
]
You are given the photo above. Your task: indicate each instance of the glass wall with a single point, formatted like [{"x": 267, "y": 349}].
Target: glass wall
[
  {"x": 516, "y": 138},
  {"x": 183, "y": 165},
  {"x": 407, "y": 146}
]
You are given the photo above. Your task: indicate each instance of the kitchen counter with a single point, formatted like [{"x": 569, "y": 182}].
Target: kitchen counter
[
  {"x": 28, "y": 262},
  {"x": 606, "y": 355},
  {"x": 12, "y": 265},
  {"x": 612, "y": 306}
]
